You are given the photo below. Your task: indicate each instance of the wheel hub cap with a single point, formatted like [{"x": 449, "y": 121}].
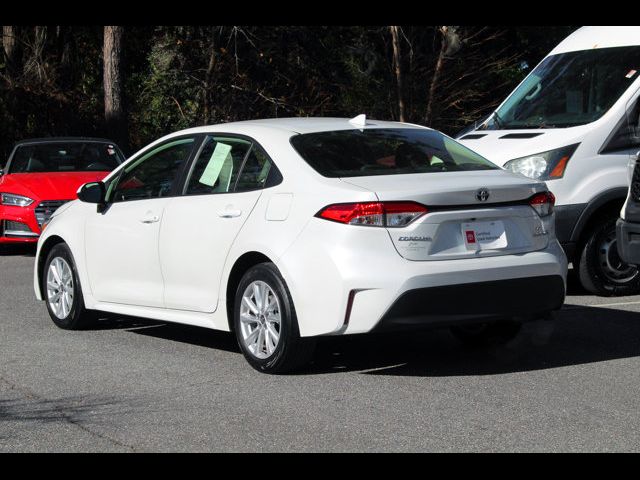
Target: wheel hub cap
[
  {"x": 60, "y": 287},
  {"x": 260, "y": 319},
  {"x": 610, "y": 262}
]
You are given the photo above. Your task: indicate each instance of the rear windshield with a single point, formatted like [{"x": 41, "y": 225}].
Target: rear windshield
[
  {"x": 357, "y": 153},
  {"x": 65, "y": 157}
]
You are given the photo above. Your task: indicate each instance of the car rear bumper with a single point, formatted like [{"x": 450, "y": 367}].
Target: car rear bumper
[
  {"x": 356, "y": 280},
  {"x": 526, "y": 298},
  {"x": 628, "y": 241}
]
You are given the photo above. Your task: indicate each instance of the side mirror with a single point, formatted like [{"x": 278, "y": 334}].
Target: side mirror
[
  {"x": 93, "y": 192},
  {"x": 1, "y": 172}
]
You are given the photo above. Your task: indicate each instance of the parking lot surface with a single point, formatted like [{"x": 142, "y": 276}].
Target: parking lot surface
[{"x": 133, "y": 385}]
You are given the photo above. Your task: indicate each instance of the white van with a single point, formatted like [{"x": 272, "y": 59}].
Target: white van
[{"x": 573, "y": 122}]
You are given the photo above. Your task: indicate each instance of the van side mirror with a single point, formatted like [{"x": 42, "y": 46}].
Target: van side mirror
[{"x": 93, "y": 192}]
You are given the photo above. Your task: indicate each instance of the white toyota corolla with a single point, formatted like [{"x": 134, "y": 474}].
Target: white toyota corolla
[{"x": 283, "y": 230}]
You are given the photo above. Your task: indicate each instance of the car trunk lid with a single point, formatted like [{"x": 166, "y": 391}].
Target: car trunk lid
[{"x": 470, "y": 214}]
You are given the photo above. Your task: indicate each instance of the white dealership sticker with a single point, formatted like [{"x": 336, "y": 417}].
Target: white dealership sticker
[{"x": 484, "y": 235}]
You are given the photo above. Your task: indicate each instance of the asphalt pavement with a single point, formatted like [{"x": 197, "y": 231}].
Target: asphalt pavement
[{"x": 133, "y": 385}]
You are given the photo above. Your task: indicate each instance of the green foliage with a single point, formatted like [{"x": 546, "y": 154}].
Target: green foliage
[{"x": 183, "y": 76}]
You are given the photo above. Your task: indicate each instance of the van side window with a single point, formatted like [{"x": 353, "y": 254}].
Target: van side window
[{"x": 627, "y": 134}]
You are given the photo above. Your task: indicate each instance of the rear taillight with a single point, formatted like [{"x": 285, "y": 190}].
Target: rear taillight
[
  {"x": 543, "y": 203},
  {"x": 374, "y": 214}
]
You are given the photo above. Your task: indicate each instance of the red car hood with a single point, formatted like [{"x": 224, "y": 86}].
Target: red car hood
[{"x": 48, "y": 185}]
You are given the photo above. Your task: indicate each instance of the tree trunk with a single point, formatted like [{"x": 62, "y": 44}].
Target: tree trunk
[
  {"x": 114, "y": 113},
  {"x": 395, "y": 39},
  {"x": 436, "y": 75},
  {"x": 208, "y": 79},
  {"x": 11, "y": 50}
]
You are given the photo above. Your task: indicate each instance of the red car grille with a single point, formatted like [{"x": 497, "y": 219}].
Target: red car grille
[{"x": 45, "y": 209}]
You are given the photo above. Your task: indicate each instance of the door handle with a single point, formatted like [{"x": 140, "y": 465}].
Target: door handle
[
  {"x": 229, "y": 213},
  {"x": 150, "y": 218}
]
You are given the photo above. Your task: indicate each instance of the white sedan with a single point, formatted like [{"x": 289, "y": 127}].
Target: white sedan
[{"x": 283, "y": 230}]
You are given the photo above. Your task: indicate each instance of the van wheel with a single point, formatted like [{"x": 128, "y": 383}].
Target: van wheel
[
  {"x": 487, "y": 334},
  {"x": 266, "y": 324},
  {"x": 62, "y": 291},
  {"x": 601, "y": 270}
]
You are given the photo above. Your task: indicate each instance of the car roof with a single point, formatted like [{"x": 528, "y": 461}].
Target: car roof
[
  {"x": 30, "y": 141},
  {"x": 296, "y": 125}
]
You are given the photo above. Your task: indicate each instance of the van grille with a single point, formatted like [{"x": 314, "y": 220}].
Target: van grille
[{"x": 45, "y": 209}]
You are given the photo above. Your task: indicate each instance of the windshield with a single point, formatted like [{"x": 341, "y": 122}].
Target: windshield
[
  {"x": 65, "y": 157},
  {"x": 357, "y": 153},
  {"x": 569, "y": 89}
]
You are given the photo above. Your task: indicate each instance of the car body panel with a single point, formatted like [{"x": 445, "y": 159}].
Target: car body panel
[{"x": 323, "y": 263}]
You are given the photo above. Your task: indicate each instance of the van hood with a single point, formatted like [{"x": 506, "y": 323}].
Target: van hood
[
  {"x": 500, "y": 146},
  {"x": 48, "y": 185}
]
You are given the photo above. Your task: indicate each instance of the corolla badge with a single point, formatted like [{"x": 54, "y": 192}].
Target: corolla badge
[{"x": 482, "y": 195}]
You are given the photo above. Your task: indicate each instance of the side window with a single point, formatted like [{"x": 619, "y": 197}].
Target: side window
[
  {"x": 152, "y": 175},
  {"x": 255, "y": 171},
  {"x": 217, "y": 166},
  {"x": 627, "y": 134}
]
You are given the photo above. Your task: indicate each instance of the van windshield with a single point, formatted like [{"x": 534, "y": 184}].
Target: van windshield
[{"x": 569, "y": 89}]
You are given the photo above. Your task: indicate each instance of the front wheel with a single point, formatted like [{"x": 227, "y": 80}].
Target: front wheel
[
  {"x": 62, "y": 291},
  {"x": 600, "y": 269},
  {"x": 266, "y": 324}
]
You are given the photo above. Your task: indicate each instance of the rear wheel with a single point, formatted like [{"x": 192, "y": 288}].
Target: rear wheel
[
  {"x": 266, "y": 324},
  {"x": 600, "y": 269},
  {"x": 487, "y": 334},
  {"x": 62, "y": 291}
]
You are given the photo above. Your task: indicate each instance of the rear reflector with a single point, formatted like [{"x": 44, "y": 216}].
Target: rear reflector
[
  {"x": 543, "y": 203},
  {"x": 374, "y": 214}
]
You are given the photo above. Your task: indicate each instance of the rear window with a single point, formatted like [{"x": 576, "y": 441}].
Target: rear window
[
  {"x": 65, "y": 157},
  {"x": 357, "y": 153}
]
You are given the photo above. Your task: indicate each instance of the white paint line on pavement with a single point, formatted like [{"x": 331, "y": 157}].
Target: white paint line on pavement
[{"x": 602, "y": 305}]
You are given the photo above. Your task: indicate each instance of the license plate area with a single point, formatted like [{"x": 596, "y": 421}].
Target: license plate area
[{"x": 488, "y": 235}]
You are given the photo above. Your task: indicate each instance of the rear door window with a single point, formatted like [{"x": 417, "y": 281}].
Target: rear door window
[{"x": 217, "y": 166}]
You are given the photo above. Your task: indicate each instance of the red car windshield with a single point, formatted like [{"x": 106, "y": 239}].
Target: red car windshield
[{"x": 65, "y": 157}]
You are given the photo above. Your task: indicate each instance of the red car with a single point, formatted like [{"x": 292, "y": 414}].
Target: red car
[{"x": 42, "y": 174}]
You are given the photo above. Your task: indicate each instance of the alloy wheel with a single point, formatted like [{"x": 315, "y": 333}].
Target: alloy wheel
[
  {"x": 260, "y": 319},
  {"x": 60, "y": 288}
]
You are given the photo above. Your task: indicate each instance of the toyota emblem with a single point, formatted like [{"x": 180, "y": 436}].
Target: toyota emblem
[{"x": 482, "y": 195}]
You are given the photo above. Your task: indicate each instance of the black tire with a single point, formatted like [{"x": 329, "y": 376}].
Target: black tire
[
  {"x": 78, "y": 317},
  {"x": 487, "y": 334},
  {"x": 291, "y": 352},
  {"x": 600, "y": 269}
]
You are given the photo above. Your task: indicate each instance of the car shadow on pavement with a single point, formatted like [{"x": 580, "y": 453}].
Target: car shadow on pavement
[
  {"x": 10, "y": 250},
  {"x": 202, "y": 337},
  {"x": 578, "y": 335}
]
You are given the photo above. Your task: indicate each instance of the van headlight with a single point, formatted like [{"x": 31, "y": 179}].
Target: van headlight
[
  {"x": 543, "y": 166},
  {"x": 15, "y": 200}
]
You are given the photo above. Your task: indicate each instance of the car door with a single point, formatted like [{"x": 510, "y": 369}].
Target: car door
[
  {"x": 198, "y": 229},
  {"x": 121, "y": 242}
]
